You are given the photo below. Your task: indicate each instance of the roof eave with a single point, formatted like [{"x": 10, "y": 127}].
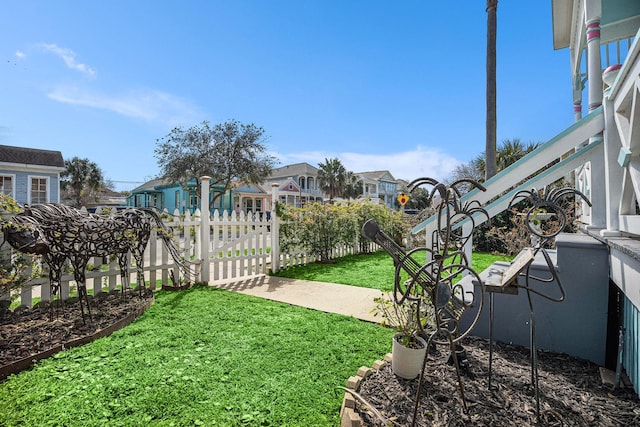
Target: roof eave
[{"x": 562, "y": 13}]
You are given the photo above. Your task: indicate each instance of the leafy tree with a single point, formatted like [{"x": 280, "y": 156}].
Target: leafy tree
[
  {"x": 82, "y": 179},
  {"x": 332, "y": 177},
  {"x": 470, "y": 170},
  {"x": 226, "y": 152},
  {"x": 419, "y": 199}
]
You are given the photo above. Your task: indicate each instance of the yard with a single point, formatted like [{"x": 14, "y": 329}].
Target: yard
[
  {"x": 208, "y": 357},
  {"x": 201, "y": 357}
]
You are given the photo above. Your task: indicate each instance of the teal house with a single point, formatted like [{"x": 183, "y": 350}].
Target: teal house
[{"x": 161, "y": 194}]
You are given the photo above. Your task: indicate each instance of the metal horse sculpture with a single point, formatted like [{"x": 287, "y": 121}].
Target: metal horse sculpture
[
  {"x": 435, "y": 283},
  {"x": 58, "y": 232}
]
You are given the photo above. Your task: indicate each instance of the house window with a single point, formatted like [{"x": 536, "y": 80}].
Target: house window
[
  {"x": 6, "y": 185},
  {"x": 38, "y": 191},
  {"x": 193, "y": 200}
]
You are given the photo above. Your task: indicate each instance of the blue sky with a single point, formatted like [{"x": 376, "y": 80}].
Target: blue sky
[{"x": 382, "y": 85}]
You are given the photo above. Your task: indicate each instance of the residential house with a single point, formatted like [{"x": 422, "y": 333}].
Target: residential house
[
  {"x": 30, "y": 175},
  {"x": 604, "y": 57},
  {"x": 380, "y": 185},
  {"x": 161, "y": 195},
  {"x": 297, "y": 184},
  {"x": 598, "y": 317},
  {"x": 150, "y": 195},
  {"x": 250, "y": 198}
]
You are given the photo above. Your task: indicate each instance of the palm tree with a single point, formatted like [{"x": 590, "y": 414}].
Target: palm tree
[
  {"x": 82, "y": 178},
  {"x": 352, "y": 187},
  {"x": 332, "y": 177},
  {"x": 509, "y": 152},
  {"x": 490, "y": 146},
  {"x": 512, "y": 150}
]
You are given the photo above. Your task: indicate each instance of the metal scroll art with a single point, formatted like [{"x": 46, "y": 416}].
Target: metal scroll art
[
  {"x": 545, "y": 218},
  {"x": 433, "y": 286},
  {"x": 58, "y": 232}
]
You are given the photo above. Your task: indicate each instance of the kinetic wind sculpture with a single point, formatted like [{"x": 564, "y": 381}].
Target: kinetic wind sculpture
[
  {"x": 434, "y": 287},
  {"x": 59, "y": 232}
]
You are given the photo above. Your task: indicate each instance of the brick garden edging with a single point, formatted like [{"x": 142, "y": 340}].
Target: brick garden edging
[{"x": 348, "y": 416}]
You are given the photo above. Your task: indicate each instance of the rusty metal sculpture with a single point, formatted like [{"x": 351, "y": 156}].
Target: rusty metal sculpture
[
  {"x": 437, "y": 282},
  {"x": 59, "y": 232}
]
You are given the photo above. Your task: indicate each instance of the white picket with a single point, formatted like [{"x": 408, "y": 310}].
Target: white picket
[{"x": 240, "y": 246}]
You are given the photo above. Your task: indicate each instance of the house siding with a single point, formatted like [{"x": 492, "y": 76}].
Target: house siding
[
  {"x": 22, "y": 184},
  {"x": 631, "y": 351},
  {"x": 162, "y": 196}
]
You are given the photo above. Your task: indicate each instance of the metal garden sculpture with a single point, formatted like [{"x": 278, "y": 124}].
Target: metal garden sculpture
[
  {"x": 545, "y": 218},
  {"x": 434, "y": 285},
  {"x": 59, "y": 232}
]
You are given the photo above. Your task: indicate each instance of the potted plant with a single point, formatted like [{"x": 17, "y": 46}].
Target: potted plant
[{"x": 408, "y": 348}]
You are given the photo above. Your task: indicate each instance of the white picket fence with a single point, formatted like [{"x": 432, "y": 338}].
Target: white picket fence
[{"x": 238, "y": 246}]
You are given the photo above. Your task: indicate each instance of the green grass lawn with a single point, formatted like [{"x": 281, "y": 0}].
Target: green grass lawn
[
  {"x": 374, "y": 270},
  {"x": 201, "y": 357},
  {"x": 211, "y": 357}
]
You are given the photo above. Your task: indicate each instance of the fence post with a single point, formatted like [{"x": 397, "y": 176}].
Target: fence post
[
  {"x": 204, "y": 230},
  {"x": 275, "y": 230}
]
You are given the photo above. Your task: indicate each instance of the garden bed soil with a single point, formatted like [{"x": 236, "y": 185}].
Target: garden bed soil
[
  {"x": 572, "y": 392},
  {"x": 29, "y": 334}
]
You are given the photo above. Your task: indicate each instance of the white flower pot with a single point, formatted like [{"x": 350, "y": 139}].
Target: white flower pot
[{"x": 407, "y": 362}]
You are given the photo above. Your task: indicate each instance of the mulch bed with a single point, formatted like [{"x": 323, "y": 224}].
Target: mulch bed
[
  {"x": 28, "y": 335},
  {"x": 572, "y": 392}
]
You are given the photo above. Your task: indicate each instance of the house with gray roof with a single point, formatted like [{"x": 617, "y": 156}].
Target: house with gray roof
[
  {"x": 297, "y": 184},
  {"x": 30, "y": 175},
  {"x": 379, "y": 185}
]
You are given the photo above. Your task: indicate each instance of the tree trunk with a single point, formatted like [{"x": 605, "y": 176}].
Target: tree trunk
[{"x": 491, "y": 124}]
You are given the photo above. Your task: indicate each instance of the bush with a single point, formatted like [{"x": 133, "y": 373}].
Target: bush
[{"x": 321, "y": 228}]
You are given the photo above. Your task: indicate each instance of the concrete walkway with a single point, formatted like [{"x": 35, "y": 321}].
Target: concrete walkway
[{"x": 328, "y": 297}]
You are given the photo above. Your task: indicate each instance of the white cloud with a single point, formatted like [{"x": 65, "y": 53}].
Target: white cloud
[
  {"x": 409, "y": 165},
  {"x": 149, "y": 105},
  {"x": 69, "y": 58},
  {"x": 20, "y": 54}
]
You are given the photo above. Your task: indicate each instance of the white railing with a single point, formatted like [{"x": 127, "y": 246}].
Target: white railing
[
  {"x": 622, "y": 144},
  {"x": 529, "y": 171}
]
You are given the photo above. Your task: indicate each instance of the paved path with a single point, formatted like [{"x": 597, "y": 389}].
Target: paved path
[{"x": 329, "y": 297}]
